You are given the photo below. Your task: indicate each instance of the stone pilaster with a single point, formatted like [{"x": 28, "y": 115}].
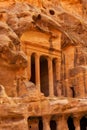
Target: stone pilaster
[{"x": 58, "y": 67}]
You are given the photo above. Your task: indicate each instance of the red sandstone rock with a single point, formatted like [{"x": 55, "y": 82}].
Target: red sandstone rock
[{"x": 43, "y": 64}]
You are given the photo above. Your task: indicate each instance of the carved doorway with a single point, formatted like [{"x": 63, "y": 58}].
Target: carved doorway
[
  {"x": 83, "y": 123},
  {"x": 73, "y": 91},
  {"x": 40, "y": 125},
  {"x": 53, "y": 125},
  {"x": 35, "y": 123},
  {"x": 70, "y": 123}
]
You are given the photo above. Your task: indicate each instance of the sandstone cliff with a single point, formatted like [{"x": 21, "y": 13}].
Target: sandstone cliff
[{"x": 19, "y": 97}]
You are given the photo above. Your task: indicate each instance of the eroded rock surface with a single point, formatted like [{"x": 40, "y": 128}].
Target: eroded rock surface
[{"x": 43, "y": 64}]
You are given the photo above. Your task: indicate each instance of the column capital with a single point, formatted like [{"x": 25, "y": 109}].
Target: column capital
[
  {"x": 37, "y": 56},
  {"x": 58, "y": 59},
  {"x": 28, "y": 53},
  {"x": 49, "y": 58},
  {"x": 77, "y": 116},
  {"x": 59, "y": 117},
  {"x": 46, "y": 117}
]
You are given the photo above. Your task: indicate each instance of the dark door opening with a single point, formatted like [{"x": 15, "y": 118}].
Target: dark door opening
[
  {"x": 53, "y": 125},
  {"x": 40, "y": 124},
  {"x": 73, "y": 91},
  {"x": 44, "y": 80},
  {"x": 70, "y": 123},
  {"x": 32, "y": 68},
  {"x": 35, "y": 123},
  {"x": 83, "y": 123}
]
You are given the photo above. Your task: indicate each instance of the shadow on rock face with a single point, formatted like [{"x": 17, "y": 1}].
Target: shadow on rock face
[
  {"x": 9, "y": 44},
  {"x": 29, "y": 90}
]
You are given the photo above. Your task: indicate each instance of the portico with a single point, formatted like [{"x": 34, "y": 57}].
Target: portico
[{"x": 44, "y": 62}]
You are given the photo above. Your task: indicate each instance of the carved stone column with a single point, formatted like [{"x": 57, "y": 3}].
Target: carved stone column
[
  {"x": 50, "y": 73},
  {"x": 46, "y": 123},
  {"x": 76, "y": 121},
  {"x": 61, "y": 122},
  {"x": 37, "y": 71},
  {"x": 64, "y": 123}
]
